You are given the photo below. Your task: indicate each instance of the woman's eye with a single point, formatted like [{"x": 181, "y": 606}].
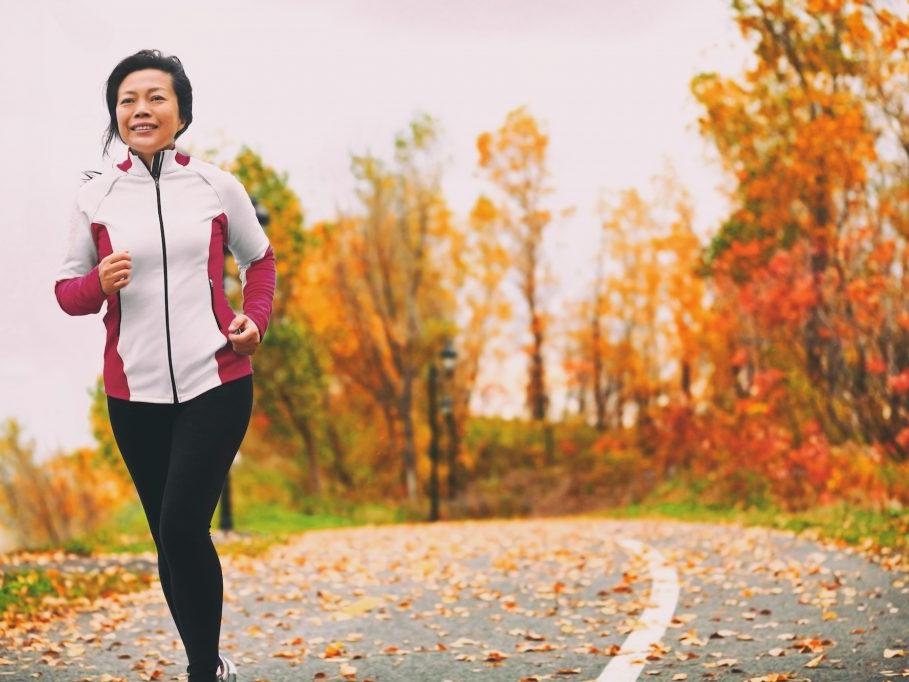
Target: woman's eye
[{"x": 158, "y": 97}]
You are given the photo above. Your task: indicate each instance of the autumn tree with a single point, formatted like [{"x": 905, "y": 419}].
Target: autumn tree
[
  {"x": 379, "y": 271},
  {"x": 814, "y": 253},
  {"x": 478, "y": 264},
  {"x": 638, "y": 338},
  {"x": 514, "y": 158}
]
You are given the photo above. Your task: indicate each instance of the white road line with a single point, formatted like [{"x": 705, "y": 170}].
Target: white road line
[{"x": 664, "y": 594}]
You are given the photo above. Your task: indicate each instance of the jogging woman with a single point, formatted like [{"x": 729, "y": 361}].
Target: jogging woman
[{"x": 147, "y": 237}]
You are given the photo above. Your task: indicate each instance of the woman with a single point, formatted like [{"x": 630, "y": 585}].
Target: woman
[{"x": 147, "y": 237}]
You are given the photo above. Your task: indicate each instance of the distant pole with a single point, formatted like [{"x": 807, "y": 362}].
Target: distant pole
[
  {"x": 433, "y": 445},
  {"x": 449, "y": 360}
]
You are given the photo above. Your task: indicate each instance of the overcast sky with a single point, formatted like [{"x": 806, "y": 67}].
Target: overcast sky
[{"x": 308, "y": 83}]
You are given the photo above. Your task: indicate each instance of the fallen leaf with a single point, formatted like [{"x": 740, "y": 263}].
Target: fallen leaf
[{"x": 814, "y": 662}]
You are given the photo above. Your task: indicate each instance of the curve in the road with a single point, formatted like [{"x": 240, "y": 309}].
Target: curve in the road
[{"x": 664, "y": 594}]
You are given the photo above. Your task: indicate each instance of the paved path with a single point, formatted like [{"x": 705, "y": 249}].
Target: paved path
[{"x": 541, "y": 599}]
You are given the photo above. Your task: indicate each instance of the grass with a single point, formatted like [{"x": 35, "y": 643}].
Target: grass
[
  {"x": 261, "y": 518},
  {"x": 30, "y": 590},
  {"x": 267, "y": 525},
  {"x": 884, "y": 531},
  {"x": 260, "y": 526}
]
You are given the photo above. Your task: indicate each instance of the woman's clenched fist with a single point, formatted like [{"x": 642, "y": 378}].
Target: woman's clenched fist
[{"x": 114, "y": 272}]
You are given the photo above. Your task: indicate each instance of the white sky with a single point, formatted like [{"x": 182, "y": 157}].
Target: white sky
[{"x": 306, "y": 84}]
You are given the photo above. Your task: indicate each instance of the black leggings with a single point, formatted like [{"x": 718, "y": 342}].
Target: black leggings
[{"x": 178, "y": 456}]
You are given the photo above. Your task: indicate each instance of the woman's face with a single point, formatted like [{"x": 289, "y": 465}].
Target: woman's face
[{"x": 148, "y": 114}]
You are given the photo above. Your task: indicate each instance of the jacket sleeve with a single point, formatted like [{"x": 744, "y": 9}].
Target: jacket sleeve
[
  {"x": 251, "y": 249},
  {"x": 78, "y": 284}
]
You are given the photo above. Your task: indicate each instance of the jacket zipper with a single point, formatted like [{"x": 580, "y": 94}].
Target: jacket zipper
[{"x": 156, "y": 172}]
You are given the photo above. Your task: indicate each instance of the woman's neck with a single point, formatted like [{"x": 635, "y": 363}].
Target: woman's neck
[{"x": 147, "y": 157}]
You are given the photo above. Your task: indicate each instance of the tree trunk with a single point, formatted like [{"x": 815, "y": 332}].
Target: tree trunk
[
  {"x": 339, "y": 465},
  {"x": 405, "y": 413},
  {"x": 599, "y": 399},
  {"x": 301, "y": 424},
  {"x": 537, "y": 385},
  {"x": 312, "y": 456}
]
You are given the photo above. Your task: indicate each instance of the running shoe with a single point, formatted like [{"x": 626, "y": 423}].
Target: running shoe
[{"x": 227, "y": 670}]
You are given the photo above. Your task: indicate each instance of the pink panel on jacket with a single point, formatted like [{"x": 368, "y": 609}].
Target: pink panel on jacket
[{"x": 231, "y": 365}]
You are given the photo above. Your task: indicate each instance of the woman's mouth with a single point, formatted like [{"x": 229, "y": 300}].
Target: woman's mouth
[{"x": 143, "y": 128}]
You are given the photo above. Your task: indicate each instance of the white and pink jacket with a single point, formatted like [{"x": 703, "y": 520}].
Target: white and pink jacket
[{"x": 166, "y": 338}]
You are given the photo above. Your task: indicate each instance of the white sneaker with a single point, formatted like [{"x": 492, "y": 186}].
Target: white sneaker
[{"x": 227, "y": 670}]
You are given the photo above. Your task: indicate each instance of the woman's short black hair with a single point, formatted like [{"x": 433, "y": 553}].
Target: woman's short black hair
[{"x": 148, "y": 59}]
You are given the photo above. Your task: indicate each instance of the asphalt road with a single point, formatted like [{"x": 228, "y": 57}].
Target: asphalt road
[{"x": 531, "y": 600}]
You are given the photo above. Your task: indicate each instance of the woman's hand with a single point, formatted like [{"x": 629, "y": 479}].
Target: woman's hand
[
  {"x": 114, "y": 272},
  {"x": 244, "y": 335}
]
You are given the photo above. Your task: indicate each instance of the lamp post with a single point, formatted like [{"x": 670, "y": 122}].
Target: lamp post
[
  {"x": 226, "y": 519},
  {"x": 449, "y": 360},
  {"x": 448, "y": 357},
  {"x": 433, "y": 444}
]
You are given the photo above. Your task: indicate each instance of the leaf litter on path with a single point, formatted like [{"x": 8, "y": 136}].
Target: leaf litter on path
[{"x": 551, "y": 595}]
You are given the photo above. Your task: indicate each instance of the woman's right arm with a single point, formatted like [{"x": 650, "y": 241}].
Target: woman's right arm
[{"x": 78, "y": 283}]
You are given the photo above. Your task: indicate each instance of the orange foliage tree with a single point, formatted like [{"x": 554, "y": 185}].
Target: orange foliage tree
[
  {"x": 643, "y": 331},
  {"x": 514, "y": 157},
  {"x": 814, "y": 255},
  {"x": 377, "y": 293}
]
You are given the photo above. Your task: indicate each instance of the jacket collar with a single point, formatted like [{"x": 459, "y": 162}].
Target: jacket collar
[{"x": 164, "y": 161}]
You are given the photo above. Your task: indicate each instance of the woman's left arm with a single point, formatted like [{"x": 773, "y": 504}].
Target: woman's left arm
[{"x": 251, "y": 249}]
